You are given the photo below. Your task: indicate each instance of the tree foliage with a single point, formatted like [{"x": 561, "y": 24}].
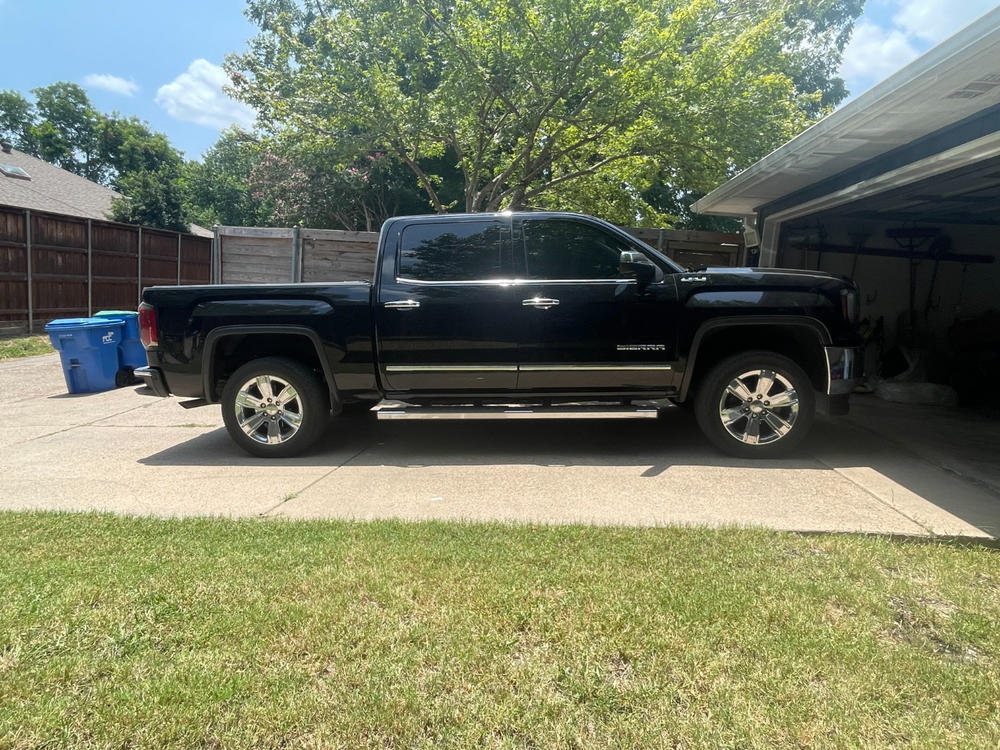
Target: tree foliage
[
  {"x": 582, "y": 104},
  {"x": 219, "y": 189},
  {"x": 63, "y": 128}
]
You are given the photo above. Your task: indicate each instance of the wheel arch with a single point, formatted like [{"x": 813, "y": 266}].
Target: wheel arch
[
  {"x": 800, "y": 338},
  {"x": 305, "y": 347}
]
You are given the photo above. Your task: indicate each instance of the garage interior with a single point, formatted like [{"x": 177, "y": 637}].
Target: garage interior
[
  {"x": 899, "y": 189},
  {"x": 927, "y": 259}
]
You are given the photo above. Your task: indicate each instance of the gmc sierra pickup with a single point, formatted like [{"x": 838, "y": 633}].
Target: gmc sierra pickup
[{"x": 511, "y": 315}]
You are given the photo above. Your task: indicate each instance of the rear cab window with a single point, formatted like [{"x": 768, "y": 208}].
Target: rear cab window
[{"x": 452, "y": 251}]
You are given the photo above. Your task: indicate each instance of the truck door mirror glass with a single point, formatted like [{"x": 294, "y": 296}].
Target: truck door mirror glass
[{"x": 635, "y": 265}]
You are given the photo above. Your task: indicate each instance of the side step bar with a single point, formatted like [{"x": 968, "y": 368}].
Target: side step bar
[{"x": 514, "y": 412}]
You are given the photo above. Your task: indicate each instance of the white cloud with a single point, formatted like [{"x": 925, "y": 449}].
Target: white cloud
[
  {"x": 936, "y": 20},
  {"x": 875, "y": 52},
  {"x": 197, "y": 96},
  {"x": 108, "y": 82}
]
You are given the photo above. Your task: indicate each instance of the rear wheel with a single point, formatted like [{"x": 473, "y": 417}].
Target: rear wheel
[
  {"x": 755, "y": 405},
  {"x": 274, "y": 407}
]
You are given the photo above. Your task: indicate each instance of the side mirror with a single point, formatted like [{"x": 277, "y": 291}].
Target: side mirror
[{"x": 634, "y": 264}]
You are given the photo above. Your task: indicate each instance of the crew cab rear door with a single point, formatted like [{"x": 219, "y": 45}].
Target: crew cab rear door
[
  {"x": 584, "y": 325},
  {"x": 445, "y": 307}
]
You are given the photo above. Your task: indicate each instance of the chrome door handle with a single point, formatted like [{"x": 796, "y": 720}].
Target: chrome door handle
[
  {"x": 543, "y": 303},
  {"x": 403, "y": 304},
  {"x": 694, "y": 278}
]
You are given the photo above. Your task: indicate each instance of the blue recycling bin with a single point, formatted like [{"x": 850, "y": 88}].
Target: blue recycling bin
[
  {"x": 88, "y": 348},
  {"x": 130, "y": 352}
]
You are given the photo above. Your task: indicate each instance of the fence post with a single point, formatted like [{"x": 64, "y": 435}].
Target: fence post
[
  {"x": 178, "y": 259},
  {"x": 27, "y": 259},
  {"x": 90, "y": 268},
  {"x": 215, "y": 271},
  {"x": 139, "y": 285},
  {"x": 296, "y": 254}
]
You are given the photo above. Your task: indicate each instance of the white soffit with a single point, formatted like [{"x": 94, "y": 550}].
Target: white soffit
[{"x": 950, "y": 82}]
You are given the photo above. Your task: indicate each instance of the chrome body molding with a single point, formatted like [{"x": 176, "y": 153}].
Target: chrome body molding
[
  {"x": 844, "y": 369},
  {"x": 525, "y": 368},
  {"x": 592, "y": 368},
  {"x": 451, "y": 368}
]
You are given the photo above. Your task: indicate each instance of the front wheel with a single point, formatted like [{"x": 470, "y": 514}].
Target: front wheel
[
  {"x": 274, "y": 407},
  {"x": 755, "y": 405}
]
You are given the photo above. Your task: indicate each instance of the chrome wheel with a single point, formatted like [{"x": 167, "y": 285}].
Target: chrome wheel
[
  {"x": 268, "y": 409},
  {"x": 759, "y": 407}
]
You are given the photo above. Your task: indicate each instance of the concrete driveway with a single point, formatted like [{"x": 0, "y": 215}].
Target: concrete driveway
[{"x": 126, "y": 452}]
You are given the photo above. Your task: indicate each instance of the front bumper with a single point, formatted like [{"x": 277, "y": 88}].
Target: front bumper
[
  {"x": 844, "y": 369},
  {"x": 153, "y": 378}
]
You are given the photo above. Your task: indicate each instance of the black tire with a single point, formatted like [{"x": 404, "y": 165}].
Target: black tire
[
  {"x": 292, "y": 426},
  {"x": 125, "y": 376},
  {"x": 732, "y": 422}
]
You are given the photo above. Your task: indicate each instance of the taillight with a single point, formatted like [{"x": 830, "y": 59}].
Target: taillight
[{"x": 147, "y": 326}]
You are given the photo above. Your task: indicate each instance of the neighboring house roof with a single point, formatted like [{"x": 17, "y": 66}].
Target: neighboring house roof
[
  {"x": 953, "y": 81},
  {"x": 55, "y": 190}
]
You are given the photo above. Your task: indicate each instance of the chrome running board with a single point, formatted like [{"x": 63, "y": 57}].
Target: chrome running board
[{"x": 513, "y": 412}]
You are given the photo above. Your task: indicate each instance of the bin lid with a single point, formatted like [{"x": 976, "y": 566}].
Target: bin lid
[
  {"x": 116, "y": 314},
  {"x": 65, "y": 324}
]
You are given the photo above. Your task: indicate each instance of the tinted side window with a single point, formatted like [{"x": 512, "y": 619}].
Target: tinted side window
[
  {"x": 451, "y": 251},
  {"x": 565, "y": 249}
]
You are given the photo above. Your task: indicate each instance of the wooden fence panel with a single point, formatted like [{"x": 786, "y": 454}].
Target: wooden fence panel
[
  {"x": 62, "y": 279},
  {"x": 341, "y": 256},
  {"x": 159, "y": 258},
  {"x": 253, "y": 260},
  {"x": 693, "y": 248},
  {"x": 58, "y": 267},
  {"x": 196, "y": 260}
]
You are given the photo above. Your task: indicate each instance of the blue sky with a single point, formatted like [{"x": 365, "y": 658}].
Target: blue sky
[
  {"x": 159, "y": 60},
  {"x": 891, "y": 33},
  {"x": 155, "y": 59}
]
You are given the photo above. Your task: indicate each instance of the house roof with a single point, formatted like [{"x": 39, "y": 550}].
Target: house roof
[
  {"x": 954, "y": 80},
  {"x": 58, "y": 191}
]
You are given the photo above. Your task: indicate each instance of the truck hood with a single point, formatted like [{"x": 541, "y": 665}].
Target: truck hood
[{"x": 763, "y": 278}]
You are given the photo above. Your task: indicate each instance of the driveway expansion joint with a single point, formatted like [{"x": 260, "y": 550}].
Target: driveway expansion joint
[{"x": 292, "y": 495}]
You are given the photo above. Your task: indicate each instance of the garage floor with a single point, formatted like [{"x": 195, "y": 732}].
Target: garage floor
[{"x": 886, "y": 469}]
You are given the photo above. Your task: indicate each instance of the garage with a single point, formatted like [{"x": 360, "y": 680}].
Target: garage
[{"x": 900, "y": 190}]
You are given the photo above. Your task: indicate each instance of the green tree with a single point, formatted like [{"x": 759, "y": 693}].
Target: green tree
[
  {"x": 17, "y": 115},
  {"x": 556, "y": 103},
  {"x": 153, "y": 198},
  {"x": 66, "y": 130},
  {"x": 126, "y": 145},
  {"x": 218, "y": 187}
]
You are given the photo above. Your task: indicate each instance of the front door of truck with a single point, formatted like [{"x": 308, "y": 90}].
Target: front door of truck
[
  {"x": 445, "y": 307},
  {"x": 585, "y": 325}
]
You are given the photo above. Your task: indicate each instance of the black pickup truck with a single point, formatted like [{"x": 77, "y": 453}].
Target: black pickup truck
[{"x": 511, "y": 316}]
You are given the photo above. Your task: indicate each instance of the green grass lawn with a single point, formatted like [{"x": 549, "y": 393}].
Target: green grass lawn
[
  {"x": 24, "y": 346},
  {"x": 118, "y": 632}
]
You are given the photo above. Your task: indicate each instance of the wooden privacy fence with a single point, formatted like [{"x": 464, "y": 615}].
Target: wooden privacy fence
[
  {"x": 694, "y": 248},
  {"x": 250, "y": 255},
  {"x": 56, "y": 266}
]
